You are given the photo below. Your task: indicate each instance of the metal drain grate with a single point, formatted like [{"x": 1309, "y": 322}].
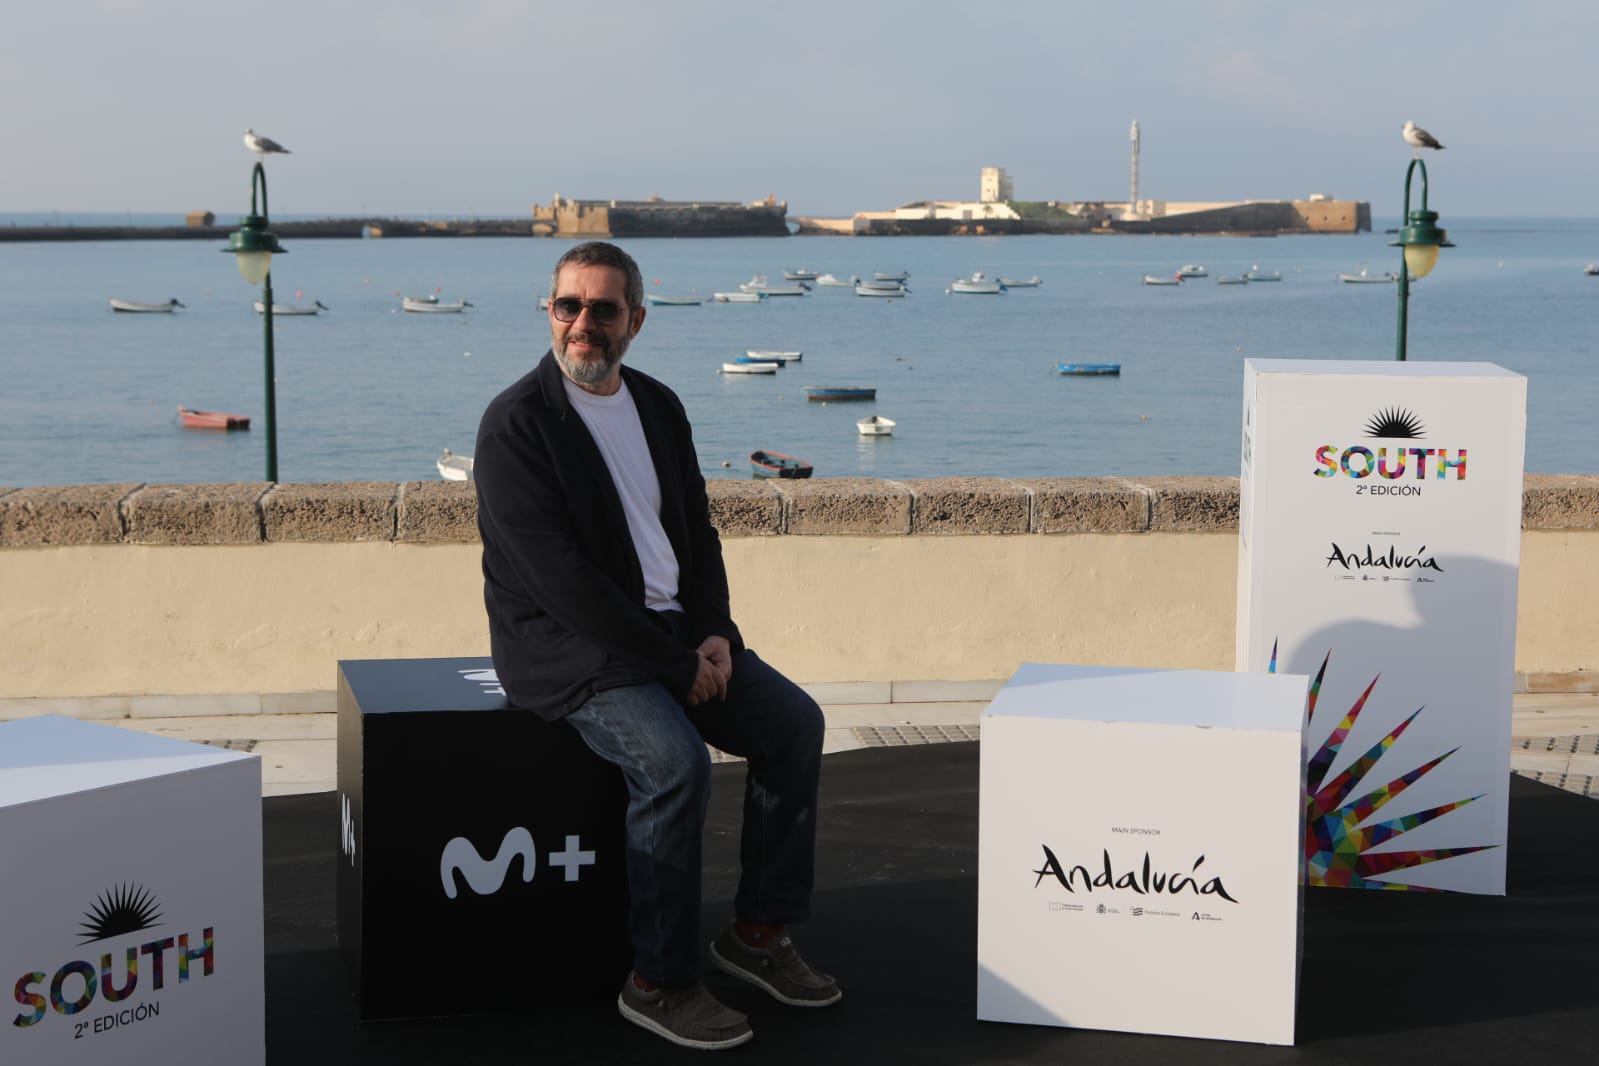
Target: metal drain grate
[
  {"x": 1582, "y": 784},
  {"x": 1572, "y": 745},
  {"x": 232, "y": 745},
  {"x": 893, "y": 736}
]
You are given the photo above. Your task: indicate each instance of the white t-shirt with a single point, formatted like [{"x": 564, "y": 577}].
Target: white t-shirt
[{"x": 614, "y": 424}]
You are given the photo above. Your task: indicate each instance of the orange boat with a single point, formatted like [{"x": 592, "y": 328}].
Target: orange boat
[{"x": 213, "y": 419}]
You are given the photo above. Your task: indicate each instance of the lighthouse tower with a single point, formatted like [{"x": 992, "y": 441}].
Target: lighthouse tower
[{"x": 1132, "y": 199}]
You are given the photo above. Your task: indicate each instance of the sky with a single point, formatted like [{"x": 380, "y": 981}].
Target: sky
[{"x": 485, "y": 107}]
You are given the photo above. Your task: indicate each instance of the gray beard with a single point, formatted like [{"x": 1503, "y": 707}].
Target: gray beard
[{"x": 584, "y": 372}]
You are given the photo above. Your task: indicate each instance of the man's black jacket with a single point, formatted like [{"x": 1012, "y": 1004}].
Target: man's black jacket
[{"x": 561, "y": 580}]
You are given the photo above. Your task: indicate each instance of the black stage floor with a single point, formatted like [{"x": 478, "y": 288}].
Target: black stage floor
[{"x": 1415, "y": 978}]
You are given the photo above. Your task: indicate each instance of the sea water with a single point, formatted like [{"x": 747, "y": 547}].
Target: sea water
[{"x": 366, "y": 391}]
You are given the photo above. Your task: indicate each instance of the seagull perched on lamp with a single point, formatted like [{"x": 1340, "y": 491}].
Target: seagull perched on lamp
[
  {"x": 263, "y": 145},
  {"x": 1419, "y": 138}
]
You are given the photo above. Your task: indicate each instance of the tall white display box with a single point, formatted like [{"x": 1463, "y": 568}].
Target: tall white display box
[
  {"x": 131, "y": 924},
  {"x": 1138, "y": 852},
  {"x": 1379, "y": 542}
]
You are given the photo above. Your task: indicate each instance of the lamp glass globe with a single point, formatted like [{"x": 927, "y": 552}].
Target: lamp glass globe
[
  {"x": 1420, "y": 259},
  {"x": 256, "y": 265}
]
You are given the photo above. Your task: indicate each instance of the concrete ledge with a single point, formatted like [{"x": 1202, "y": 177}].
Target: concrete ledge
[
  {"x": 745, "y": 508},
  {"x": 280, "y": 715},
  {"x": 440, "y": 511},
  {"x": 970, "y": 505},
  {"x": 1569, "y": 681},
  {"x": 65, "y": 514},
  {"x": 846, "y": 506},
  {"x": 445, "y": 512},
  {"x": 195, "y": 514},
  {"x": 1555, "y": 501},
  {"x": 345, "y": 511},
  {"x": 1087, "y": 505},
  {"x": 1192, "y": 504}
]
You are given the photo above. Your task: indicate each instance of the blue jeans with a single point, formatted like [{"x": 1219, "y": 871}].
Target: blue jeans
[{"x": 660, "y": 746}]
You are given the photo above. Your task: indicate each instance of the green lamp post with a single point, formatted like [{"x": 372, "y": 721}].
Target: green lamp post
[
  {"x": 1420, "y": 238},
  {"x": 254, "y": 245}
]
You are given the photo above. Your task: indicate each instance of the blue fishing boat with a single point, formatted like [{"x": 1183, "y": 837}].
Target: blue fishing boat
[
  {"x": 776, "y": 464},
  {"x": 762, "y": 360},
  {"x": 1088, "y": 368},
  {"x": 840, "y": 392}
]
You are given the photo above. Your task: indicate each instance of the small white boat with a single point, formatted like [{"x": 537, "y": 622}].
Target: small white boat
[
  {"x": 979, "y": 284},
  {"x": 835, "y": 282},
  {"x": 292, "y": 309},
  {"x": 1190, "y": 270},
  {"x": 454, "y": 467},
  {"x": 1366, "y": 277},
  {"x": 1591, "y": 269},
  {"x": 1155, "y": 279},
  {"x": 803, "y": 274},
  {"x": 759, "y": 284},
  {"x": 1232, "y": 279},
  {"x": 1021, "y": 283},
  {"x": 767, "y": 353},
  {"x": 1254, "y": 273},
  {"x": 884, "y": 275},
  {"x": 143, "y": 308},
  {"x": 672, "y": 301},
  {"x": 738, "y": 297},
  {"x": 433, "y": 307},
  {"x": 876, "y": 426},
  {"x": 544, "y": 303},
  {"x": 749, "y": 368},
  {"x": 880, "y": 289}
]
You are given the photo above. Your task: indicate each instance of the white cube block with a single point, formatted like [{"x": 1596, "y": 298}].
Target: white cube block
[
  {"x": 1139, "y": 852},
  {"x": 131, "y": 929}
]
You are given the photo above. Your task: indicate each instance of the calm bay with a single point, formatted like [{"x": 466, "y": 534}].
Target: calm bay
[{"x": 365, "y": 391}]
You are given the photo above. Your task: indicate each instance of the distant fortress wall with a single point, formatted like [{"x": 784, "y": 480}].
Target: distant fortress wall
[
  {"x": 824, "y": 227},
  {"x": 1257, "y": 216},
  {"x": 1335, "y": 216},
  {"x": 565, "y": 217},
  {"x": 888, "y": 224},
  {"x": 1155, "y": 216}
]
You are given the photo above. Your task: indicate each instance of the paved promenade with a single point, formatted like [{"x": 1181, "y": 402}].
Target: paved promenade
[{"x": 1555, "y": 736}]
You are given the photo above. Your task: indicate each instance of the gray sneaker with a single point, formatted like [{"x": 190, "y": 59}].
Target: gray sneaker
[
  {"x": 776, "y": 968},
  {"x": 684, "y": 1014}
]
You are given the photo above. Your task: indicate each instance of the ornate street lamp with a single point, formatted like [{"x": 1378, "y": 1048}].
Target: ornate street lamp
[
  {"x": 1420, "y": 238},
  {"x": 254, "y": 244}
]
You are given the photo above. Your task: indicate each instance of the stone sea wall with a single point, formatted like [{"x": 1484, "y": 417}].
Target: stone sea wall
[{"x": 138, "y": 589}]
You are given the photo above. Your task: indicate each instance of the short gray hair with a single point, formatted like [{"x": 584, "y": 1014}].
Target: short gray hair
[{"x": 601, "y": 253}]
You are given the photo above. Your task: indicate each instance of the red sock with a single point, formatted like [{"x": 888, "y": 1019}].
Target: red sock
[
  {"x": 757, "y": 934},
  {"x": 641, "y": 984}
]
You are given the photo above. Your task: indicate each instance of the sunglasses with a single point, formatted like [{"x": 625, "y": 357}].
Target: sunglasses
[{"x": 605, "y": 312}]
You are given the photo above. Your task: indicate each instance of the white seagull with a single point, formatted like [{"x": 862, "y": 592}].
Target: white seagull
[
  {"x": 262, "y": 145},
  {"x": 1419, "y": 138}
]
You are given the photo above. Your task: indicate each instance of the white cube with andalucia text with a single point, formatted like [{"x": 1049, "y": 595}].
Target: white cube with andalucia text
[
  {"x": 131, "y": 929},
  {"x": 1379, "y": 547},
  {"x": 1139, "y": 851}
]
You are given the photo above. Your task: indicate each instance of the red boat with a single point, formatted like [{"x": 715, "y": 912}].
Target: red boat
[{"x": 213, "y": 419}]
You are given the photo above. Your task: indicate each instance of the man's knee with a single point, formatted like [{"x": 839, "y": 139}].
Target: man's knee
[{"x": 684, "y": 765}]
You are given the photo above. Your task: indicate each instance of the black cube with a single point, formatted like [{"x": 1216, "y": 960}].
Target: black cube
[{"x": 482, "y": 864}]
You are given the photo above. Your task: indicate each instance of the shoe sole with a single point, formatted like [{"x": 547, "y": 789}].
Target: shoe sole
[
  {"x": 646, "y": 1022},
  {"x": 733, "y": 970}
]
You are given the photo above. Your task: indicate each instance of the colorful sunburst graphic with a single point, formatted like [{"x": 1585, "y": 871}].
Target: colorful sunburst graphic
[
  {"x": 1337, "y": 844},
  {"x": 124, "y": 909}
]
